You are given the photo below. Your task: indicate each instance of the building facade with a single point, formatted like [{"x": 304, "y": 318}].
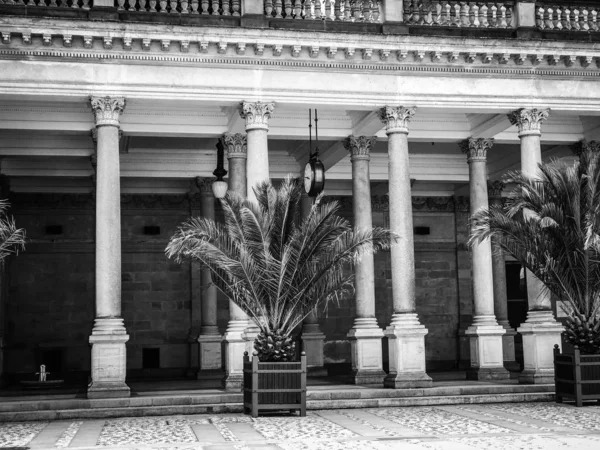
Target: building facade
[{"x": 109, "y": 117}]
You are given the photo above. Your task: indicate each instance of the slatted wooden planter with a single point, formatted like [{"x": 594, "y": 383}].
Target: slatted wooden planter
[
  {"x": 576, "y": 376},
  {"x": 274, "y": 386}
]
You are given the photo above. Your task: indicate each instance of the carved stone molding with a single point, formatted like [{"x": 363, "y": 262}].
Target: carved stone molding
[
  {"x": 22, "y": 200},
  {"x": 204, "y": 185},
  {"x": 396, "y": 119},
  {"x": 107, "y": 110},
  {"x": 235, "y": 145},
  {"x": 359, "y": 146},
  {"x": 256, "y": 114},
  {"x": 155, "y": 201},
  {"x": 433, "y": 204},
  {"x": 528, "y": 121},
  {"x": 495, "y": 189},
  {"x": 476, "y": 149},
  {"x": 580, "y": 146}
]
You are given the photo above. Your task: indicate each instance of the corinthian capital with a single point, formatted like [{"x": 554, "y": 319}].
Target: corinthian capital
[
  {"x": 359, "y": 146},
  {"x": 396, "y": 119},
  {"x": 257, "y": 114},
  {"x": 204, "y": 185},
  {"x": 528, "y": 121},
  {"x": 476, "y": 149},
  {"x": 584, "y": 145},
  {"x": 235, "y": 144},
  {"x": 107, "y": 109}
]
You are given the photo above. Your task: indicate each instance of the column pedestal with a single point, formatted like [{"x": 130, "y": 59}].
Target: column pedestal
[
  {"x": 406, "y": 341},
  {"x": 508, "y": 349},
  {"x": 209, "y": 353},
  {"x": 234, "y": 346},
  {"x": 540, "y": 333},
  {"x": 312, "y": 340},
  {"x": 485, "y": 339},
  {"x": 365, "y": 341},
  {"x": 109, "y": 358}
]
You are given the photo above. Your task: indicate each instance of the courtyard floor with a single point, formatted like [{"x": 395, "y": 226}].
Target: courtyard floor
[{"x": 529, "y": 426}]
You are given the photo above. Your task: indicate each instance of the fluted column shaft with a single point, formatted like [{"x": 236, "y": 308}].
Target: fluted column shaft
[
  {"x": 406, "y": 336},
  {"x": 540, "y": 331},
  {"x": 257, "y": 125},
  {"x": 108, "y": 334}
]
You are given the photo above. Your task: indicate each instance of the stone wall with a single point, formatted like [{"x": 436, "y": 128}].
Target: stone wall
[{"x": 50, "y": 307}]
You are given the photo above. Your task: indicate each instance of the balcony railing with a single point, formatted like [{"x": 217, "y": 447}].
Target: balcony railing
[
  {"x": 76, "y": 4},
  {"x": 459, "y": 14},
  {"x": 202, "y": 7},
  {"x": 340, "y": 10},
  {"x": 567, "y": 17}
]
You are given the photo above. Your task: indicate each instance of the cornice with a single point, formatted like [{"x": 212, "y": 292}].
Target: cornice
[{"x": 294, "y": 49}]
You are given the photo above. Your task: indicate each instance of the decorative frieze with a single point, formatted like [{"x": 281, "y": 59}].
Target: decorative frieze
[
  {"x": 476, "y": 149},
  {"x": 256, "y": 114},
  {"x": 107, "y": 109},
  {"x": 584, "y": 145},
  {"x": 528, "y": 121},
  {"x": 359, "y": 146},
  {"x": 396, "y": 119},
  {"x": 421, "y": 204},
  {"x": 235, "y": 145}
]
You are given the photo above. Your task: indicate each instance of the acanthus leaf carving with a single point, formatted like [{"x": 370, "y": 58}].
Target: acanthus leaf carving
[
  {"x": 236, "y": 145},
  {"x": 359, "y": 146},
  {"x": 396, "y": 119},
  {"x": 107, "y": 109},
  {"x": 476, "y": 148},
  {"x": 528, "y": 121},
  {"x": 256, "y": 114}
]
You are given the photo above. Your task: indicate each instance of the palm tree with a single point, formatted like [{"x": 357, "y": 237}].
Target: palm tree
[
  {"x": 275, "y": 267},
  {"x": 551, "y": 225},
  {"x": 11, "y": 239}
]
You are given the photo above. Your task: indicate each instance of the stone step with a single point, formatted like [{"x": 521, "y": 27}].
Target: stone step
[{"x": 64, "y": 410}]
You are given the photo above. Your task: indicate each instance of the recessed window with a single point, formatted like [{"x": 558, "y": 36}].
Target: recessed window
[
  {"x": 422, "y": 231},
  {"x": 54, "y": 229},
  {"x": 152, "y": 230},
  {"x": 150, "y": 358}
]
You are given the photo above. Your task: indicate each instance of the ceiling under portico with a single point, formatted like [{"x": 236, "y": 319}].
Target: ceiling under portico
[{"x": 45, "y": 144}]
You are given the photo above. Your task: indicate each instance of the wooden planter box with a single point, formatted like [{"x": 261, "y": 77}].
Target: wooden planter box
[
  {"x": 274, "y": 386},
  {"x": 576, "y": 376}
]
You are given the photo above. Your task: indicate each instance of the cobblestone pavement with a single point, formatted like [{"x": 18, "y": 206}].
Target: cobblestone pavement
[{"x": 528, "y": 426}]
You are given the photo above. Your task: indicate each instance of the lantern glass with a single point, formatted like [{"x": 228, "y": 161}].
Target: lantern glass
[{"x": 219, "y": 188}]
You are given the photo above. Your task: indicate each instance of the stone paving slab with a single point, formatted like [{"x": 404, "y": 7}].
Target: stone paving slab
[{"x": 527, "y": 426}]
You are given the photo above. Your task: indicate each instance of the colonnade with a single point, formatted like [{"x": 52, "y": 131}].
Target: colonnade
[{"x": 248, "y": 165}]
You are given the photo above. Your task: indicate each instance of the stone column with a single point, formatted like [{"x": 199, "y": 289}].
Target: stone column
[
  {"x": 209, "y": 339},
  {"x": 500, "y": 297},
  {"x": 312, "y": 337},
  {"x": 234, "y": 342},
  {"x": 365, "y": 336},
  {"x": 540, "y": 331},
  {"x": 406, "y": 336},
  {"x": 485, "y": 335},
  {"x": 108, "y": 334},
  {"x": 257, "y": 125}
]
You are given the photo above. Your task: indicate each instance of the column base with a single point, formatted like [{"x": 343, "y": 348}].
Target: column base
[
  {"x": 209, "y": 352},
  {"x": 540, "y": 333},
  {"x": 109, "y": 359},
  {"x": 108, "y": 390},
  {"x": 312, "y": 340},
  {"x": 406, "y": 341},
  {"x": 234, "y": 346},
  {"x": 536, "y": 376},
  {"x": 487, "y": 361},
  {"x": 367, "y": 361}
]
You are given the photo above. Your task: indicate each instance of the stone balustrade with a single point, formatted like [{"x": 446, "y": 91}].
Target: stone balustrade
[
  {"x": 340, "y": 10},
  {"x": 77, "y": 4},
  {"x": 202, "y": 7},
  {"x": 459, "y": 14},
  {"x": 562, "y": 16}
]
